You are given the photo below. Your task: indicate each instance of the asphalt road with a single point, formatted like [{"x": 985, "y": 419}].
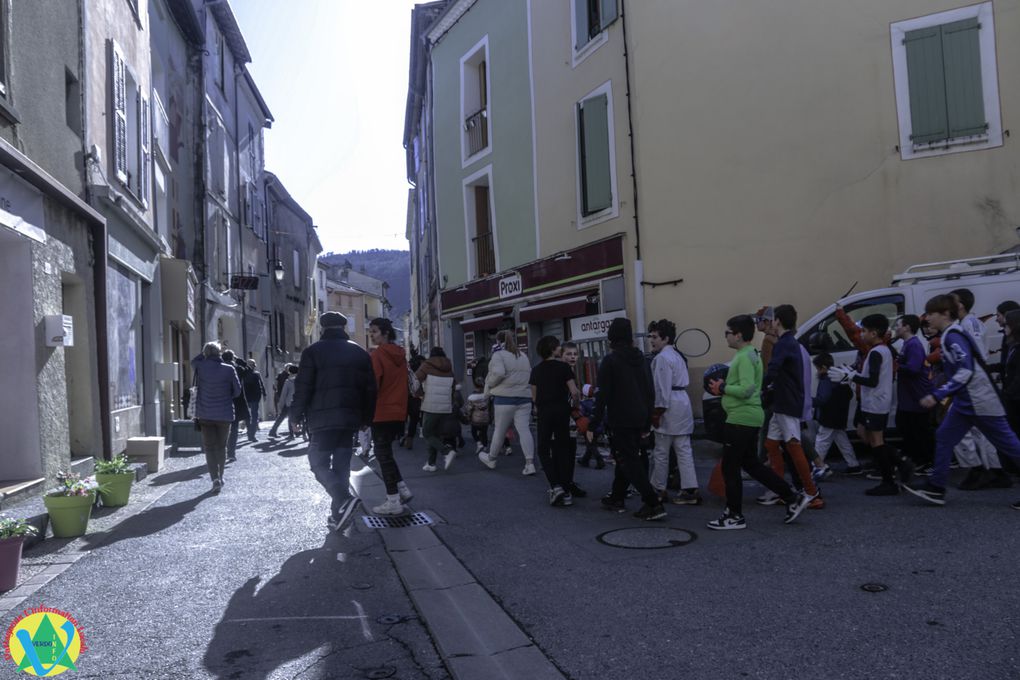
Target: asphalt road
[{"x": 250, "y": 584}]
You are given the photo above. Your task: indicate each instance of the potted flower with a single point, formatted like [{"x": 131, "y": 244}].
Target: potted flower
[
  {"x": 12, "y": 537},
  {"x": 114, "y": 478},
  {"x": 70, "y": 504}
]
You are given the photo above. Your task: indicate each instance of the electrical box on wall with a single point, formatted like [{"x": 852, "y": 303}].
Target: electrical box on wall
[{"x": 59, "y": 330}]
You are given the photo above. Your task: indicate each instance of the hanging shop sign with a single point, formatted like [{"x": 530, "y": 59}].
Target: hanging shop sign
[{"x": 510, "y": 286}]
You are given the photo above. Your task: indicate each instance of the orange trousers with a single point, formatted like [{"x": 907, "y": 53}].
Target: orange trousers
[{"x": 800, "y": 462}]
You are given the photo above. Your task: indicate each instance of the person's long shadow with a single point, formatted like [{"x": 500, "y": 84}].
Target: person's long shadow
[
  {"x": 145, "y": 523},
  {"x": 185, "y": 475},
  {"x": 300, "y": 609}
]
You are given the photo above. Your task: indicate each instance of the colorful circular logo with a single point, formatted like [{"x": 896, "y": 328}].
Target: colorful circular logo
[{"x": 44, "y": 642}]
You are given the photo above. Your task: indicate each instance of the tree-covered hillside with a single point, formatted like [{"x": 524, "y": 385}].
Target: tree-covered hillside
[{"x": 392, "y": 266}]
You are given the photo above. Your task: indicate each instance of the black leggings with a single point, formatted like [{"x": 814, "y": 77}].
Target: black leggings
[
  {"x": 624, "y": 444},
  {"x": 383, "y": 435},
  {"x": 555, "y": 448}
]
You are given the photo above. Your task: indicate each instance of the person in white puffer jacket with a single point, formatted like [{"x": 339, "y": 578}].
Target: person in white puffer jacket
[{"x": 508, "y": 383}]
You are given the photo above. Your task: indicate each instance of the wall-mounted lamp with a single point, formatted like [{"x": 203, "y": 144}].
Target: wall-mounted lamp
[{"x": 278, "y": 271}]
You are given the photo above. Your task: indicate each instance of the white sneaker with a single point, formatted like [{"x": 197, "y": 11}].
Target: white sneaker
[
  {"x": 428, "y": 468},
  {"x": 508, "y": 451},
  {"x": 529, "y": 469},
  {"x": 449, "y": 458},
  {"x": 392, "y": 506},
  {"x": 478, "y": 447},
  {"x": 404, "y": 492},
  {"x": 489, "y": 462},
  {"x": 768, "y": 498}
]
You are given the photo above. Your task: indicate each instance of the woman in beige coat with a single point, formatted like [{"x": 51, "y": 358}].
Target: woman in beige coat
[{"x": 508, "y": 384}]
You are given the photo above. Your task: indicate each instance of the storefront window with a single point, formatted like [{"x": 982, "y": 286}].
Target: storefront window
[{"x": 123, "y": 333}]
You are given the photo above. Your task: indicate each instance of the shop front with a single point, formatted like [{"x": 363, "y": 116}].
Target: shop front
[{"x": 551, "y": 296}]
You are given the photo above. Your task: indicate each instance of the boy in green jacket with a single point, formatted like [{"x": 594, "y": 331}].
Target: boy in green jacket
[{"x": 741, "y": 399}]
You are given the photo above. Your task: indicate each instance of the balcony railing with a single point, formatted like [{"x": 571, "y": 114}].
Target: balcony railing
[
  {"x": 485, "y": 256},
  {"x": 477, "y": 127}
]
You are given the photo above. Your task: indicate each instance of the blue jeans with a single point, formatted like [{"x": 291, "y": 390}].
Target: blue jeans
[
  {"x": 329, "y": 457},
  {"x": 952, "y": 430},
  {"x": 253, "y": 418}
]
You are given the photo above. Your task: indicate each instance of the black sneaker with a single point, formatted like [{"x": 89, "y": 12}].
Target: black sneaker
[
  {"x": 556, "y": 495},
  {"x": 1016, "y": 506},
  {"x": 344, "y": 514},
  {"x": 576, "y": 491},
  {"x": 651, "y": 513},
  {"x": 883, "y": 489},
  {"x": 854, "y": 470},
  {"x": 567, "y": 501},
  {"x": 927, "y": 491},
  {"x": 610, "y": 503},
  {"x": 924, "y": 470},
  {"x": 972, "y": 482},
  {"x": 905, "y": 467},
  {"x": 728, "y": 522},
  {"x": 795, "y": 506}
]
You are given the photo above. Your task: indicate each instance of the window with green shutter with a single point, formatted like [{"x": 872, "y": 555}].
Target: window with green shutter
[
  {"x": 591, "y": 17},
  {"x": 595, "y": 162},
  {"x": 944, "y": 74}
]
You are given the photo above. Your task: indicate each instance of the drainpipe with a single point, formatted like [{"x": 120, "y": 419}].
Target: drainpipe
[
  {"x": 639, "y": 265},
  {"x": 198, "y": 256},
  {"x": 270, "y": 279},
  {"x": 100, "y": 247},
  {"x": 240, "y": 226}
]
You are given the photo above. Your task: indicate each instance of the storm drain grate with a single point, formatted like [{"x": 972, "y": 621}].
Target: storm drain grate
[{"x": 415, "y": 519}]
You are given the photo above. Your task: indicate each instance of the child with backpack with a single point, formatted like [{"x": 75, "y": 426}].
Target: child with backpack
[
  {"x": 831, "y": 405},
  {"x": 479, "y": 415}
]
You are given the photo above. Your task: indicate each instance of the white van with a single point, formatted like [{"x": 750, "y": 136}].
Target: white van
[{"x": 992, "y": 279}]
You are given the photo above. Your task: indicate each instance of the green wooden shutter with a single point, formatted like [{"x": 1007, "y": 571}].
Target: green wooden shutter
[
  {"x": 608, "y": 13},
  {"x": 965, "y": 104},
  {"x": 581, "y": 23},
  {"x": 928, "y": 120},
  {"x": 596, "y": 184}
]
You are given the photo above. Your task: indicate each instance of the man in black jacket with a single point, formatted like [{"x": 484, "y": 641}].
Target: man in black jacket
[
  {"x": 624, "y": 403},
  {"x": 334, "y": 394}
]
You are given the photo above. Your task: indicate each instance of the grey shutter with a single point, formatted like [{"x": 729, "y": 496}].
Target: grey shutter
[
  {"x": 965, "y": 106},
  {"x": 144, "y": 151},
  {"x": 581, "y": 23},
  {"x": 607, "y": 13},
  {"x": 596, "y": 185},
  {"x": 928, "y": 122},
  {"x": 118, "y": 79}
]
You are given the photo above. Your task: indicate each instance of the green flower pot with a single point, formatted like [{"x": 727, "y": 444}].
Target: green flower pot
[
  {"x": 69, "y": 515},
  {"x": 115, "y": 488}
]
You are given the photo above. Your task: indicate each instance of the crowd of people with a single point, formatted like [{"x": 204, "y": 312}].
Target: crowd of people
[{"x": 951, "y": 407}]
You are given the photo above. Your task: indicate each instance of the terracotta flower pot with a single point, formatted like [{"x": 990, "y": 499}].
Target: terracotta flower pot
[
  {"x": 10, "y": 561},
  {"x": 69, "y": 515}
]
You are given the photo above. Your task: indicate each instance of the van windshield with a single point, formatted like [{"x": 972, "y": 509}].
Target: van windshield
[{"x": 829, "y": 336}]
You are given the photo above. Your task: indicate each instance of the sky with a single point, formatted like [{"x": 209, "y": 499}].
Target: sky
[{"x": 334, "y": 75}]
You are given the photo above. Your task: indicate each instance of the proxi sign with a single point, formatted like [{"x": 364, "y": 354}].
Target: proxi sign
[
  {"x": 511, "y": 286},
  {"x": 593, "y": 327}
]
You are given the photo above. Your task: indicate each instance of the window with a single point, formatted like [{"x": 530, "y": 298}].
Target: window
[
  {"x": 217, "y": 158},
  {"x": 297, "y": 269},
  {"x": 297, "y": 330},
  {"x": 252, "y": 148},
  {"x": 72, "y": 97},
  {"x": 591, "y": 19},
  {"x": 596, "y": 158},
  {"x": 474, "y": 102},
  {"x": 946, "y": 81},
  {"x": 3, "y": 48},
  {"x": 132, "y": 156},
  {"x": 221, "y": 63},
  {"x": 828, "y": 335},
  {"x": 480, "y": 224}
]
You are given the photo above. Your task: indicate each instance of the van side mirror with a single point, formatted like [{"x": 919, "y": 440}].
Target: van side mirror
[{"x": 819, "y": 341}]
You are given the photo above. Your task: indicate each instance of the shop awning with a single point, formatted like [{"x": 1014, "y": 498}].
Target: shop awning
[
  {"x": 563, "y": 308},
  {"x": 487, "y": 322}
]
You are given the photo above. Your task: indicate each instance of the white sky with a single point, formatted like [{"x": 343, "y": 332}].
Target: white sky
[{"x": 334, "y": 74}]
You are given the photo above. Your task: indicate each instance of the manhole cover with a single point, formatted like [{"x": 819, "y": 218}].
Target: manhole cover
[
  {"x": 381, "y": 672},
  {"x": 646, "y": 538},
  {"x": 415, "y": 519},
  {"x": 874, "y": 587}
]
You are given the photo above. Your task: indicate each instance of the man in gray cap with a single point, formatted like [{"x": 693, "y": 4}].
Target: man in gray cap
[{"x": 334, "y": 393}]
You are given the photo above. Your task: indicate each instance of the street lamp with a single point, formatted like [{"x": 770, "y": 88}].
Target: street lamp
[{"x": 278, "y": 271}]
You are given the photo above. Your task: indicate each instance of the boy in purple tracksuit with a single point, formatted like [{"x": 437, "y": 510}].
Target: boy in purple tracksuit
[
  {"x": 912, "y": 419},
  {"x": 975, "y": 403}
]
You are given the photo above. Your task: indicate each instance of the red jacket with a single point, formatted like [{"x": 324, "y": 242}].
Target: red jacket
[{"x": 390, "y": 368}]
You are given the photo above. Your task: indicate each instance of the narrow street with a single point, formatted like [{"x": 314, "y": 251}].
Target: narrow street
[{"x": 250, "y": 584}]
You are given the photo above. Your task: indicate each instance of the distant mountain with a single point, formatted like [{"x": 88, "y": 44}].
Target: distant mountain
[{"x": 392, "y": 266}]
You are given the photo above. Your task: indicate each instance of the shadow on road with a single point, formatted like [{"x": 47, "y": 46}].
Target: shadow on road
[
  {"x": 303, "y": 608},
  {"x": 151, "y": 521},
  {"x": 185, "y": 475}
]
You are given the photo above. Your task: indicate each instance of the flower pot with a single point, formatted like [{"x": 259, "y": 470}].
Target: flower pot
[
  {"x": 10, "y": 561},
  {"x": 115, "y": 488},
  {"x": 69, "y": 515}
]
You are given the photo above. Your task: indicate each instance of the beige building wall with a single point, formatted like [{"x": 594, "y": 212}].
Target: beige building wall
[{"x": 767, "y": 155}]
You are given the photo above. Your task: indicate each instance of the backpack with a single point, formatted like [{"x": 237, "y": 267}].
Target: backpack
[{"x": 413, "y": 384}]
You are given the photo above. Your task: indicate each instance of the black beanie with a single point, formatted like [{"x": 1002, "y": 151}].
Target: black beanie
[{"x": 620, "y": 331}]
